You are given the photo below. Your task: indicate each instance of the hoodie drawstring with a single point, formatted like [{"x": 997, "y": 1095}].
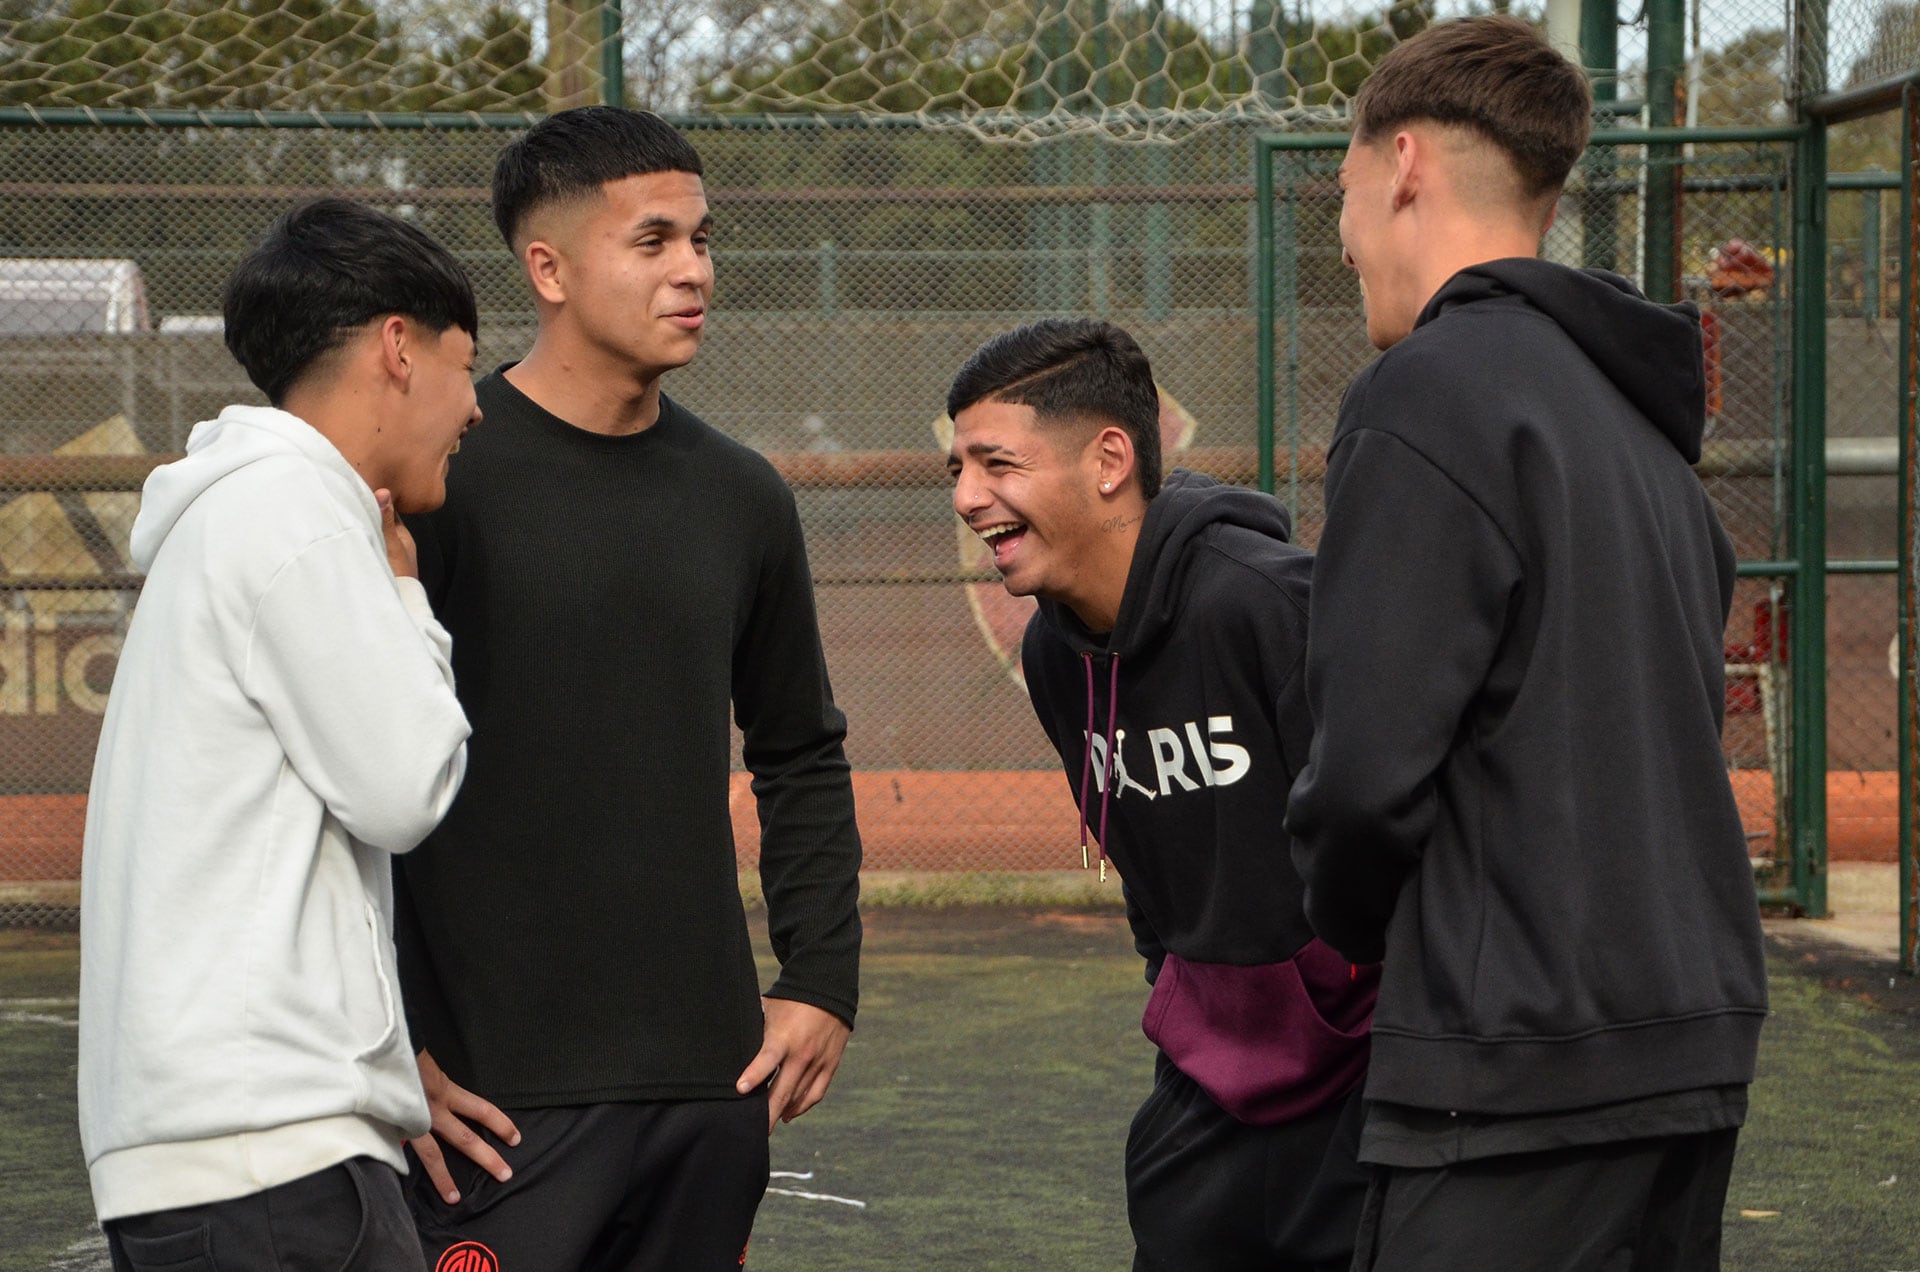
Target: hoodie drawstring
[{"x": 1106, "y": 761}]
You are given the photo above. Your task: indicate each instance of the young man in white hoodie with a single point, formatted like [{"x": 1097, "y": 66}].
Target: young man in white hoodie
[{"x": 282, "y": 720}]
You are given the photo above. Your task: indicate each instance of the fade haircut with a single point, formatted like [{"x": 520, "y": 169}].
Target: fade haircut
[
  {"x": 1497, "y": 77},
  {"x": 569, "y": 156},
  {"x": 325, "y": 270},
  {"x": 1073, "y": 372}
]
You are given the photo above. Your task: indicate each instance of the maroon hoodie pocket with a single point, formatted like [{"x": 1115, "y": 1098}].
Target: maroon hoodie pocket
[{"x": 1271, "y": 1042}]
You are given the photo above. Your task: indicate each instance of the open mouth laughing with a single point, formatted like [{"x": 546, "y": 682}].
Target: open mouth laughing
[{"x": 1002, "y": 539}]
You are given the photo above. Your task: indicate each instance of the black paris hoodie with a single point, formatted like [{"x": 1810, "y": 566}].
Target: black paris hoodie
[
  {"x": 1516, "y": 792},
  {"x": 1181, "y": 731}
]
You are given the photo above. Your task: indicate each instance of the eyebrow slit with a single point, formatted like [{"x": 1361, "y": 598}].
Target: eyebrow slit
[{"x": 661, "y": 222}]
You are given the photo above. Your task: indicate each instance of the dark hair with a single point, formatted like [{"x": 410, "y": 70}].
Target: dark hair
[
  {"x": 1070, "y": 371},
  {"x": 325, "y": 269},
  {"x": 1495, "y": 75},
  {"x": 574, "y": 153}
]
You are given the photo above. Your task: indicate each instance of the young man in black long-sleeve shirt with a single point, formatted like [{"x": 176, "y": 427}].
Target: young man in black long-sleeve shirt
[{"x": 617, "y": 576}]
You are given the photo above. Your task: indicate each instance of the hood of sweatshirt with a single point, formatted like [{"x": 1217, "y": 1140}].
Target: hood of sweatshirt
[
  {"x": 1652, "y": 352},
  {"x": 239, "y": 436},
  {"x": 1188, "y": 504}
]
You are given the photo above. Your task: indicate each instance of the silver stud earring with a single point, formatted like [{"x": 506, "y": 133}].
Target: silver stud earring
[{"x": 1106, "y": 485}]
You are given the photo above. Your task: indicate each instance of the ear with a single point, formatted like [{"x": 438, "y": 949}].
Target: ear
[
  {"x": 542, "y": 261},
  {"x": 1553, "y": 210},
  {"x": 397, "y": 341},
  {"x": 1409, "y": 167},
  {"x": 1114, "y": 458}
]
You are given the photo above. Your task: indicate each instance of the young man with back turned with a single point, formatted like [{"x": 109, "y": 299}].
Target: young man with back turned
[
  {"x": 617, "y": 575},
  {"x": 1165, "y": 665},
  {"x": 1516, "y": 794},
  {"x": 282, "y": 723}
]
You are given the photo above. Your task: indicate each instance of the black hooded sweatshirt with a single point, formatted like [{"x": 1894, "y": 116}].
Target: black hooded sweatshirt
[
  {"x": 1516, "y": 792},
  {"x": 1181, "y": 731}
]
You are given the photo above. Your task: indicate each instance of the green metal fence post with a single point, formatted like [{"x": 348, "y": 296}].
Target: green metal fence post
[
  {"x": 1263, "y": 303},
  {"x": 1599, "y": 53},
  {"x": 1599, "y": 46},
  {"x": 1660, "y": 216},
  {"x": 1909, "y": 527},
  {"x": 1067, "y": 78},
  {"x": 1157, "y": 285},
  {"x": 1266, "y": 53},
  {"x": 613, "y": 59},
  {"x": 1041, "y": 264},
  {"x": 1286, "y": 286},
  {"x": 1099, "y": 235},
  {"x": 1809, "y": 517},
  {"x": 1097, "y": 87}
]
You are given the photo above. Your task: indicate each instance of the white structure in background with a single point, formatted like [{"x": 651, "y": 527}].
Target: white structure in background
[{"x": 56, "y": 297}]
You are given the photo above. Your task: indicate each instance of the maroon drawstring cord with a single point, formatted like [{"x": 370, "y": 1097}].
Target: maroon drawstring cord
[
  {"x": 1106, "y": 787},
  {"x": 1106, "y": 763},
  {"x": 1086, "y": 765}
]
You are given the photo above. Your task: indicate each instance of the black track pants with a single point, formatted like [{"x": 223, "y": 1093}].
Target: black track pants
[
  {"x": 1208, "y": 1193},
  {"x": 661, "y": 1186},
  {"x": 1633, "y": 1206}
]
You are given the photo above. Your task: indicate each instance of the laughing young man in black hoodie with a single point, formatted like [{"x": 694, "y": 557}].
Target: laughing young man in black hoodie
[
  {"x": 1166, "y": 665},
  {"x": 1516, "y": 795}
]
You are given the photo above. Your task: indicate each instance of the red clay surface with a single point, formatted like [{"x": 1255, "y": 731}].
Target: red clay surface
[{"x": 984, "y": 820}]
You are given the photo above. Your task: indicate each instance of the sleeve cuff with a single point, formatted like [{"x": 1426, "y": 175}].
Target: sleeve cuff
[{"x": 843, "y": 1011}]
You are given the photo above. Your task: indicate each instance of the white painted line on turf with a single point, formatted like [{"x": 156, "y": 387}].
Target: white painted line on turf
[
  {"x": 35, "y": 1018},
  {"x": 11, "y": 1003},
  {"x": 89, "y": 1254},
  {"x": 808, "y": 1196}
]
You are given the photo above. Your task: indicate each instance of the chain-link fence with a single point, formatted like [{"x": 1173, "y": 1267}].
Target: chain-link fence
[
  {"x": 1863, "y": 494},
  {"x": 859, "y": 265},
  {"x": 1856, "y": 44},
  {"x": 865, "y": 248},
  {"x": 1733, "y": 223}
]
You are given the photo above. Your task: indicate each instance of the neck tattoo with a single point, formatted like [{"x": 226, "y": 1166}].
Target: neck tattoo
[{"x": 1117, "y": 523}]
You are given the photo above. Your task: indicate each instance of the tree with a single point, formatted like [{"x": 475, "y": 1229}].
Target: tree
[
  {"x": 1744, "y": 84},
  {"x": 1079, "y": 56},
  {"x": 491, "y": 69},
  {"x": 262, "y": 55},
  {"x": 673, "y": 46}
]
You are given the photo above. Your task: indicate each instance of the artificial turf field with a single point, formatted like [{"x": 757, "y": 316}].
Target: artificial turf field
[{"x": 982, "y": 1106}]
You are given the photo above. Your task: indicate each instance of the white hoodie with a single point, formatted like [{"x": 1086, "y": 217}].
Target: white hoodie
[{"x": 282, "y": 719}]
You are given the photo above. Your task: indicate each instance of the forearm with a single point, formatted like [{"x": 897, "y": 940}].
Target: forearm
[{"x": 810, "y": 875}]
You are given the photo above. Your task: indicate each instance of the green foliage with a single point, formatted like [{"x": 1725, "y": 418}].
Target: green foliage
[
  {"x": 260, "y": 55},
  {"x": 1893, "y": 49},
  {"x": 959, "y": 56},
  {"x": 1744, "y": 84}
]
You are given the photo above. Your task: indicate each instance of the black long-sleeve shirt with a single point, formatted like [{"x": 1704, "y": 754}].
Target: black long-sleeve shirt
[{"x": 573, "y": 931}]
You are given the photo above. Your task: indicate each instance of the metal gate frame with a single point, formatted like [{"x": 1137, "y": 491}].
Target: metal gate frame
[{"x": 1805, "y": 567}]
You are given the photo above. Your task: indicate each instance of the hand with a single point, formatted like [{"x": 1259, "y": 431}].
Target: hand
[
  {"x": 450, "y": 1103},
  {"x": 401, "y": 554},
  {"x": 802, "y": 1050}
]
